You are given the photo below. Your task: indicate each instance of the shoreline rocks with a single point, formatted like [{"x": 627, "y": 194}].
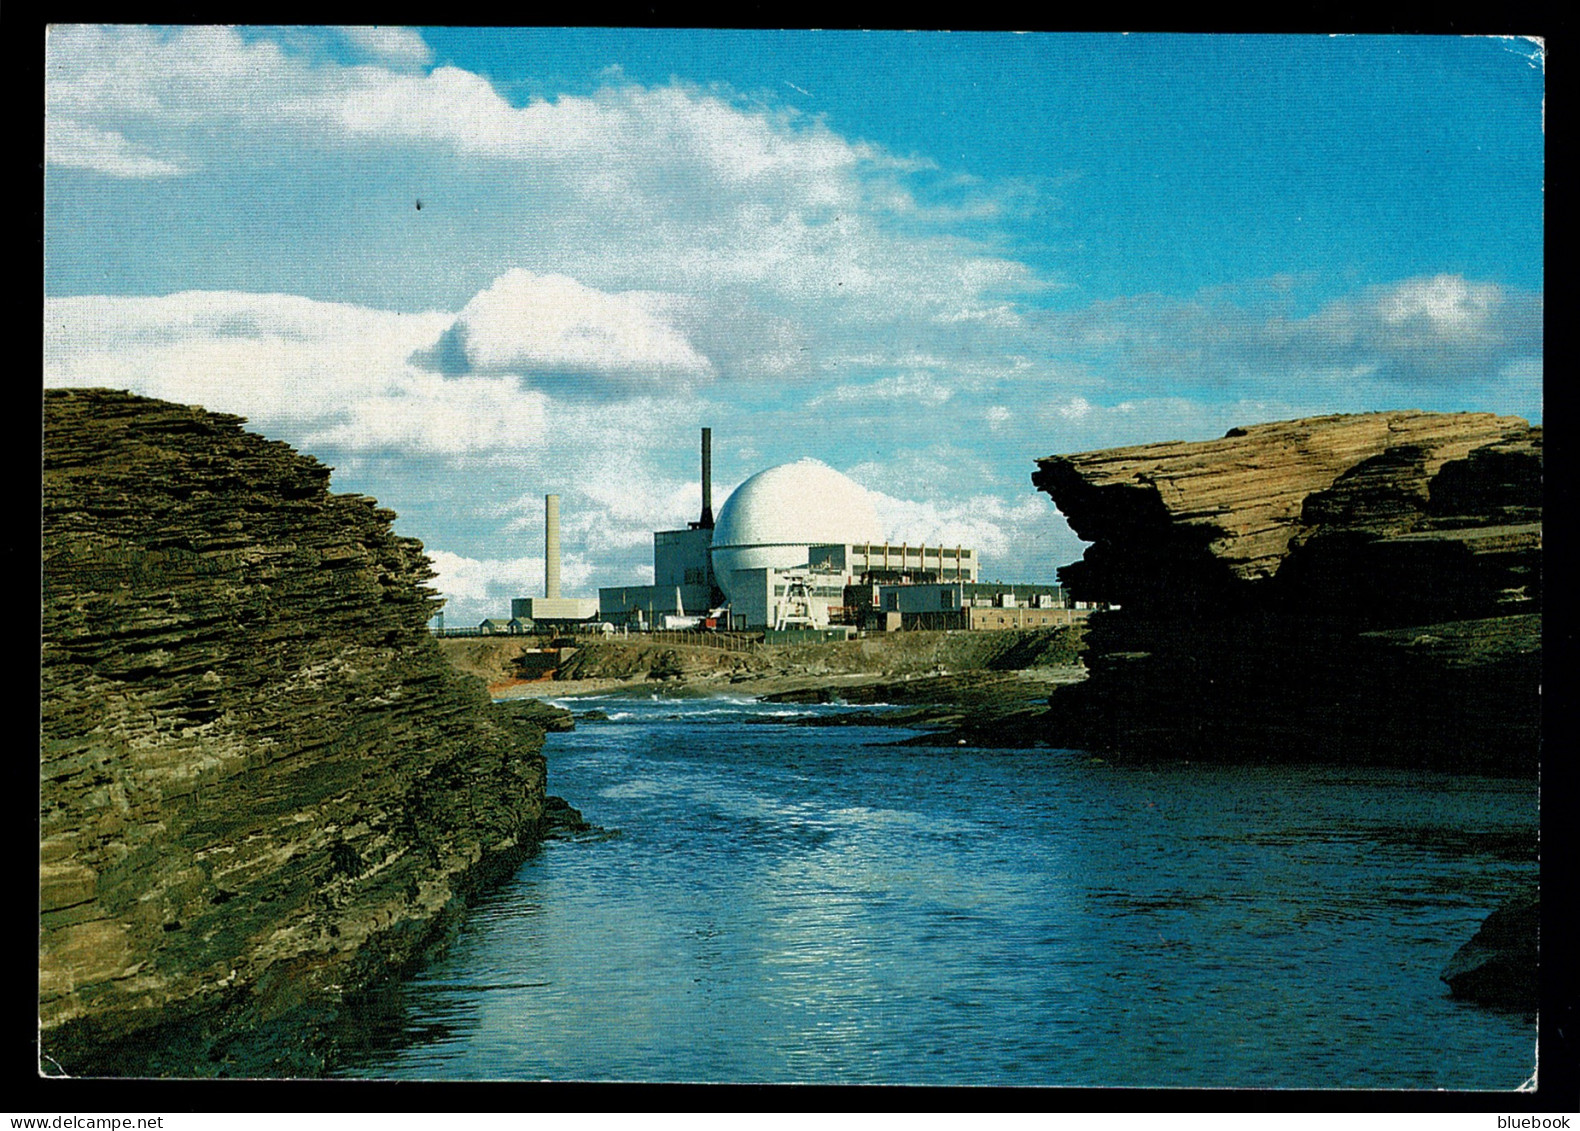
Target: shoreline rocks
[
  {"x": 1499, "y": 966},
  {"x": 262, "y": 787},
  {"x": 1356, "y": 589}
]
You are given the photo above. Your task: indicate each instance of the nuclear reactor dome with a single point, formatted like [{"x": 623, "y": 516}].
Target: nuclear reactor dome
[{"x": 775, "y": 516}]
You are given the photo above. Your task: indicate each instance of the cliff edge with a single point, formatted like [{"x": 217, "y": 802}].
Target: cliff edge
[
  {"x": 1350, "y": 588},
  {"x": 262, "y": 787}
]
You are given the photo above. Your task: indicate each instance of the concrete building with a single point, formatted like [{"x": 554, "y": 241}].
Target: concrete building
[
  {"x": 842, "y": 578},
  {"x": 783, "y": 598},
  {"x": 792, "y": 538},
  {"x": 797, "y": 547},
  {"x": 773, "y": 520},
  {"x": 683, "y": 581},
  {"x": 959, "y": 604},
  {"x": 551, "y": 609},
  {"x": 903, "y": 563}
]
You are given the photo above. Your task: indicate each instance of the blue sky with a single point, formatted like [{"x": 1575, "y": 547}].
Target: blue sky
[{"x": 926, "y": 259}]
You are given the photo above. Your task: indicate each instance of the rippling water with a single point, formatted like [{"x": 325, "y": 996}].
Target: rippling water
[{"x": 808, "y": 904}]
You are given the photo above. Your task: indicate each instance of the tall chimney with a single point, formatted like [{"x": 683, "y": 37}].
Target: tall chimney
[
  {"x": 551, "y": 546},
  {"x": 707, "y": 480}
]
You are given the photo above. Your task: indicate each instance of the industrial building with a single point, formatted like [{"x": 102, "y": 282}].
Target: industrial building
[
  {"x": 551, "y": 609},
  {"x": 684, "y": 588},
  {"x": 785, "y": 547},
  {"x": 797, "y": 549},
  {"x": 959, "y": 604}
]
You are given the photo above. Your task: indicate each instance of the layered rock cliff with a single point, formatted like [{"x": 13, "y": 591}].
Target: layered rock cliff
[
  {"x": 262, "y": 787},
  {"x": 1360, "y": 588}
]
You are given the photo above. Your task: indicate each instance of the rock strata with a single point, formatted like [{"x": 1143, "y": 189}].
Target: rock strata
[
  {"x": 1360, "y": 588},
  {"x": 262, "y": 787}
]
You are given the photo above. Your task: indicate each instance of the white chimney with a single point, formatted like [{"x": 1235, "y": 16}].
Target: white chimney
[{"x": 551, "y": 546}]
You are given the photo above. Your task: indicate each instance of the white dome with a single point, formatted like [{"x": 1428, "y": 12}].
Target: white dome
[{"x": 775, "y": 516}]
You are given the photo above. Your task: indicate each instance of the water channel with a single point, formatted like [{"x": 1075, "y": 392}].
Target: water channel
[{"x": 778, "y": 903}]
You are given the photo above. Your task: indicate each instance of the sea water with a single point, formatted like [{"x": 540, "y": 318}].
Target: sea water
[{"x": 782, "y": 903}]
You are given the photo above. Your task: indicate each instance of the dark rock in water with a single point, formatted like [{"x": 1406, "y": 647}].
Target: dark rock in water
[
  {"x": 535, "y": 712},
  {"x": 1342, "y": 588},
  {"x": 594, "y": 716},
  {"x": 560, "y": 820},
  {"x": 1499, "y": 965},
  {"x": 262, "y": 787}
]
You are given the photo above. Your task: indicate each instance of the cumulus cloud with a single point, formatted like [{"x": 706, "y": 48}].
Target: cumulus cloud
[
  {"x": 1441, "y": 328},
  {"x": 792, "y": 243},
  {"x": 394, "y": 45},
  {"x": 315, "y": 372},
  {"x": 101, "y": 83},
  {"x": 475, "y": 588},
  {"x": 562, "y": 334},
  {"x": 610, "y": 506},
  {"x": 984, "y": 521},
  {"x": 1024, "y": 538},
  {"x": 1431, "y": 331}
]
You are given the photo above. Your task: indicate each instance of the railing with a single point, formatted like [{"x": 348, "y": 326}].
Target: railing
[{"x": 727, "y": 641}]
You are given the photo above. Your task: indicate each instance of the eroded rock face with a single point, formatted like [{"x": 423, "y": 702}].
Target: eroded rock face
[
  {"x": 1354, "y": 588},
  {"x": 262, "y": 786}
]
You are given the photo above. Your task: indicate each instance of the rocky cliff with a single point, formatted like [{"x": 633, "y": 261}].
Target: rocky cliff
[
  {"x": 1360, "y": 588},
  {"x": 261, "y": 785}
]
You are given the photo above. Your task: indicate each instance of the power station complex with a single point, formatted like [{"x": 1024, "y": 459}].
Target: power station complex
[{"x": 795, "y": 547}]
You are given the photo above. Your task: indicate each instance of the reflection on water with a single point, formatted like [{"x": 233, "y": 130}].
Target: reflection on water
[{"x": 795, "y": 904}]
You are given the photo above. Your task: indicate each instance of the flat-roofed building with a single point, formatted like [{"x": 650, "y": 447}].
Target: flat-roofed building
[
  {"x": 963, "y": 604},
  {"x": 554, "y": 610},
  {"x": 895, "y": 562}
]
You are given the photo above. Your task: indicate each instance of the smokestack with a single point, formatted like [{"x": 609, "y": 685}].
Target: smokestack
[
  {"x": 551, "y": 546},
  {"x": 707, "y": 480}
]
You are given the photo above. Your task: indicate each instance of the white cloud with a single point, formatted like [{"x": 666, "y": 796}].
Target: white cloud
[
  {"x": 1075, "y": 408},
  {"x": 164, "y": 79},
  {"x": 475, "y": 588},
  {"x": 1443, "y": 306},
  {"x": 315, "y": 372},
  {"x": 472, "y": 579},
  {"x": 1018, "y": 540},
  {"x": 394, "y": 45},
  {"x": 74, "y": 145},
  {"x": 424, "y": 413},
  {"x": 1431, "y": 331},
  {"x": 794, "y": 246},
  {"x": 554, "y": 327}
]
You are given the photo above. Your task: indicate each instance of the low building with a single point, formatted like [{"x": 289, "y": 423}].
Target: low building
[
  {"x": 644, "y": 607},
  {"x": 554, "y": 611},
  {"x": 1021, "y": 618},
  {"x": 843, "y": 579},
  {"x": 961, "y": 604},
  {"x": 781, "y": 598}
]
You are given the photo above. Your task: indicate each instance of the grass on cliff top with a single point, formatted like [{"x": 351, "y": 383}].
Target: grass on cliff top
[{"x": 498, "y": 660}]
